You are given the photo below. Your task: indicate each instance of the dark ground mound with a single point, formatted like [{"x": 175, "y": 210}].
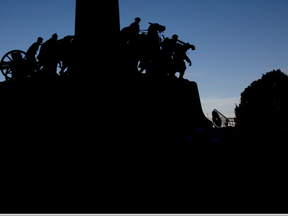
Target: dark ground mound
[{"x": 130, "y": 145}]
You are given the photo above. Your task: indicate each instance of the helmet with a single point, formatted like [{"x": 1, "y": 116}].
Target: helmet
[
  {"x": 55, "y": 36},
  {"x": 175, "y": 37},
  {"x": 40, "y": 39},
  {"x": 137, "y": 19}
]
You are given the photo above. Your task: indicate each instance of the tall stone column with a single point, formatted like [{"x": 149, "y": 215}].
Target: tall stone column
[{"x": 96, "y": 35}]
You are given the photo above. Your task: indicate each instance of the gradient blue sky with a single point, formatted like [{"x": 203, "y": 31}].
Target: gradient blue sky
[{"x": 236, "y": 40}]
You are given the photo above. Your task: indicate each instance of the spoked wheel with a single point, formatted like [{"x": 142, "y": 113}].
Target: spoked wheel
[{"x": 11, "y": 62}]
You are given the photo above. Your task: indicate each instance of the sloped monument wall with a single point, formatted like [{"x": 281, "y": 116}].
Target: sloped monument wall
[{"x": 144, "y": 101}]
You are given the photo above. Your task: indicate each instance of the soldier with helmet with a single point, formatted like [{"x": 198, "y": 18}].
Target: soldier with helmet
[
  {"x": 168, "y": 48},
  {"x": 31, "y": 52},
  {"x": 130, "y": 32},
  {"x": 134, "y": 27},
  {"x": 48, "y": 56},
  {"x": 168, "y": 45},
  {"x": 30, "y": 56},
  {"x": 178, "y": 59}
]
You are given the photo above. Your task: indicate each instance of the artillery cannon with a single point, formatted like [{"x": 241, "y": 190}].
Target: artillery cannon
[{"x": 11, "y": 63}]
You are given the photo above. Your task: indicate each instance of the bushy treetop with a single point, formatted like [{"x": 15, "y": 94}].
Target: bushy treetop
[{"x": 264, "y": 102}]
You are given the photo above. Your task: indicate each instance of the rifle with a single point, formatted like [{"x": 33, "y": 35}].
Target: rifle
[
  {"x": 182, "y": 42},
  {"x": 190, "y": 45}
]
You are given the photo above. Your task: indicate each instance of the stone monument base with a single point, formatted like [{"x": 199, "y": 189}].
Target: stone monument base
[{"x": 126, "y": 105}]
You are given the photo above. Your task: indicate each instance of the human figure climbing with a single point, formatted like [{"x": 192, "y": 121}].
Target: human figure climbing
[
  {"x": 65, "y": 53},
  {"x": 48, "y": 56},
  {"x": 31, "y": 56},
  {"x": 178, "y": 64},
  {"x": 130, "y": 32},
  {"x": 135, "y": 28},
  {"x": 168, "y": 47}
]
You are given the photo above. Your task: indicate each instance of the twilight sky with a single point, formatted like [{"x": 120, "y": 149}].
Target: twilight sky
[{"x": 236, "y": 40}]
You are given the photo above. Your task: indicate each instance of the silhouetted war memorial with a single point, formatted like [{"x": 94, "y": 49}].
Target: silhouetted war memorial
[
  {"x": 99, "y": 88},
  {"x": 102, "y": 136}
]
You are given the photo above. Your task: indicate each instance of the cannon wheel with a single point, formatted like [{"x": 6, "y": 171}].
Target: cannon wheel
[{"x": 7, "y": 62}]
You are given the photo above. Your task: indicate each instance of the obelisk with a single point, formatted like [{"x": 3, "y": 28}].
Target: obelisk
[{"x": 96, "y": 35}]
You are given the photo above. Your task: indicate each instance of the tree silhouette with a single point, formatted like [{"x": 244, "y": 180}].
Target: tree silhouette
[{"x": 263, "y": 103}]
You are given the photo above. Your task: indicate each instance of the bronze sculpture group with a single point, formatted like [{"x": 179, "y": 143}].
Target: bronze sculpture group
[{"x": 141, "y": 51}]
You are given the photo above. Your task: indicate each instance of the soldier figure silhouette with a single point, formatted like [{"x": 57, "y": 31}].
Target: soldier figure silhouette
[
  {"x": 130, "y": 44},
  {"x": 168, "y": 48},
  {"x": 129, "y": 32},
  {"x": 65, "y": 53},
  {"x": 48, "y": 56},
  {"x": 31, "y": 56},
  {"x": 150, "y": 44},
  {"x": 178, "y": 59},
  {"x": 135, "y": 28}
]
